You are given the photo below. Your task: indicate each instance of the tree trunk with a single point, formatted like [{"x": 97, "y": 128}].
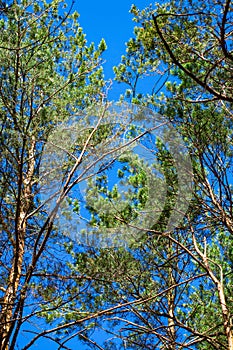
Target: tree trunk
[
  {"x": 171, "y": 302},
  {"x": 24, "y": 201}
]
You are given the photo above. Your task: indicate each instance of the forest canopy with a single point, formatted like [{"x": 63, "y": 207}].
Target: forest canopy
[{"x": 157, "y": 167}]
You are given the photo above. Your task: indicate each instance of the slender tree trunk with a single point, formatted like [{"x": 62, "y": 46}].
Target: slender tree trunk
[
  {"x": 226, "y": 316},
  {"x": 171, "y": 302},
  {"x": 6, "y": 317},
  {"x": 221, "y": 294}
]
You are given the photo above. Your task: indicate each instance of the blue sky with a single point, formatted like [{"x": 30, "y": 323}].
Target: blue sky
[{"x": 112, "y": 21}]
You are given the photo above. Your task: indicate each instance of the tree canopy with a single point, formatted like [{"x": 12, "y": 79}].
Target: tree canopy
[{"x": 170, "y": 286}]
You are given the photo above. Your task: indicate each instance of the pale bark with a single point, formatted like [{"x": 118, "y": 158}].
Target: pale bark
[
  {"x": 226, "y": 315},
  {"x": 171, "y": 304}
]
